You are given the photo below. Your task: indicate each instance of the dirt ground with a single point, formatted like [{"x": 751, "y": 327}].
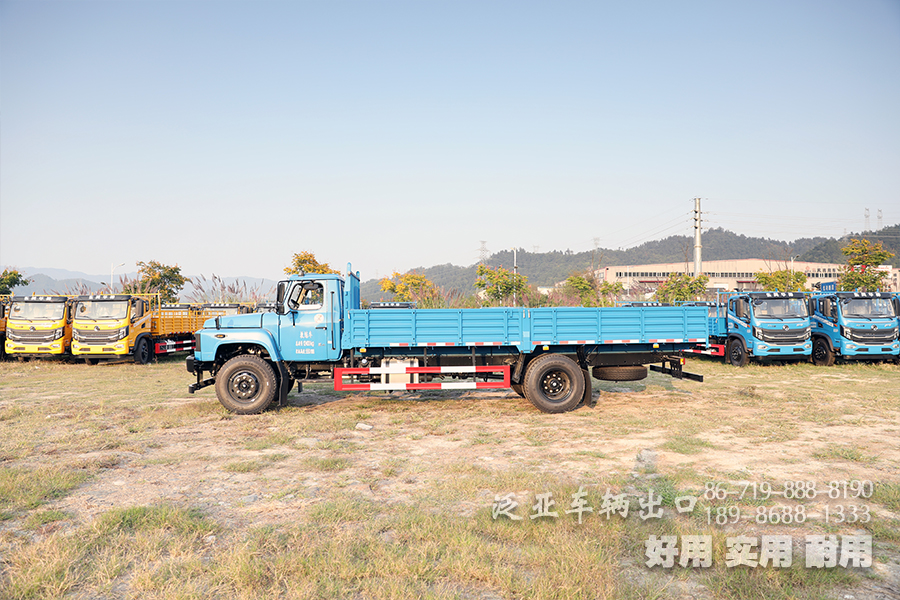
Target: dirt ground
[{"x": 762, "y": 424}]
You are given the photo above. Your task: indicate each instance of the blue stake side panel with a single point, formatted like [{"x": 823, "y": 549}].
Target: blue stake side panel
[{"x": 526, "y": 328}]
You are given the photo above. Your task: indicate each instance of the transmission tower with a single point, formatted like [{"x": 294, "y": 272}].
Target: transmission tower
[
  {"x": 483, "y": 252},
  {"x": 880, "y": 220},
  {"x": 867, "y": 220}
]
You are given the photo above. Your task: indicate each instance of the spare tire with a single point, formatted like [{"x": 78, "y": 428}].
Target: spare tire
[{"x": 629, "y": 373}]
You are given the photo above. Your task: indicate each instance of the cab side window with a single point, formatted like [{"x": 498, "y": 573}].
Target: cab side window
[{"x": 307, "y": 296}]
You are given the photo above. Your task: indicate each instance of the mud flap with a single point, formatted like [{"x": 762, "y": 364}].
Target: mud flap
[
  {"x": 284, "y": 383},
  {"x": 588, "y": 400}
]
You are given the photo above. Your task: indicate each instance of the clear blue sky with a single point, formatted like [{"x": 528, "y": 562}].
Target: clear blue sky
[{"x": 225, "y": 136}]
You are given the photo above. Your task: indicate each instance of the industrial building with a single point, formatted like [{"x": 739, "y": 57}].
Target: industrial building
[{"x": 728, "y": 275}]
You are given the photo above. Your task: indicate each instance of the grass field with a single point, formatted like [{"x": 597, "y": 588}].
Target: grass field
[{"x": 117, "y": 483}]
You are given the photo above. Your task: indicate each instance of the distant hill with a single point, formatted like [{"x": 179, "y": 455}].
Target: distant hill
[
  {"x": 548, "y": 268},
  {"x": 830, "y": 250},
  {"x": 62, "y": 281}
]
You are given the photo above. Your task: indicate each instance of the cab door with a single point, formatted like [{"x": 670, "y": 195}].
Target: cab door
[{"x": 307, "y": 330}]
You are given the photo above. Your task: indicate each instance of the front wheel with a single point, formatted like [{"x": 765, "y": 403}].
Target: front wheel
[
  {"x": 822, "y": 354},
  {"x": 554, "y": 383},
  {"x": 246, "y": 385},
  {"x": 142, "y": 352},
  {"x": 737, "y": 354}
]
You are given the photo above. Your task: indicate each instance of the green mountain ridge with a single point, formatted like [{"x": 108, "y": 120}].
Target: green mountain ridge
[{"x": 549, "y": 268}]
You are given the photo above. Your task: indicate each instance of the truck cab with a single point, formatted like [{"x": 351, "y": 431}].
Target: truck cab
[
  {"x": 854, "y": 325},
  {"x": 112, "y": 326},
  {"x": 38, "y": 326},
  {"x": 763, "y": 325}
]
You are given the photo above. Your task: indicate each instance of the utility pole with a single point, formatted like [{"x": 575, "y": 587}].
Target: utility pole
[
  {"x": 698, "y": 263},
  {"x": 515, "y": 274}
]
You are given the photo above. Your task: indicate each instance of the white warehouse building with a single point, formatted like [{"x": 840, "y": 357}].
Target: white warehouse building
[{"x": 728, "y": 275}]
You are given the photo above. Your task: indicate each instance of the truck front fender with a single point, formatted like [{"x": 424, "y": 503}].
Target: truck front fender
[
  {"x": 226, "y": 343},
  {"x": 827, "y": 339}
]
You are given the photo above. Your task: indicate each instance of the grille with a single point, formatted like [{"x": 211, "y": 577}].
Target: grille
[
  {"x": 31, "y": 337},
  {"x": 784, "y": 338},
  {"x": 89, "y": 336},
  {"x": 869, "y": 336}
]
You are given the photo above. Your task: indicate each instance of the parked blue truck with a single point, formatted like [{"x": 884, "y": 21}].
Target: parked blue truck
[
  {"x": 854, "y": 326},
  {"x": 769, "y": 326},
  {"x": 546, "y": 355}
]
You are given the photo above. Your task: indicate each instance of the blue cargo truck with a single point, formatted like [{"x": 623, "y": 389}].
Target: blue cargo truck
[
  {"x": 546, "y": 355},
  {"x": 854, "y": 326},
  {"x": 766, "y": 326}
]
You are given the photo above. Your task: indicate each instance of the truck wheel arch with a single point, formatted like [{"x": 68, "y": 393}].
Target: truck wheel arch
[{"x": 226, "y": 352}]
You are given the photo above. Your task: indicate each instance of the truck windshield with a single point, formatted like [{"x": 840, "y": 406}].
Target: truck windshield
[
  {"x": 101, "y": 309},
  {"x": 779, "y": 308},
  {"x": 37, "y": 311},
  {"x": 867, "y": 307}
]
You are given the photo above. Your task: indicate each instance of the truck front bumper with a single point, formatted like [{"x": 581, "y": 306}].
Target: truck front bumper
[
  {"x": 852, "y": 350},
  {"x": 115, "y": 349},
  {"x": 764, "y": 350}
]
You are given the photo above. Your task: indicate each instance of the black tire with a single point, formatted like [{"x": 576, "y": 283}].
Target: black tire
[
  {"x": 246, "y": 385},
  {"x": 518, "y": 388},
  {"x": 620, "y": 373},
  {"x": 554, "y": 383},
  {"x": 142, "y": 352},
  {"x": 822, "y": 354},
  {"x": 737, "y": 354}
]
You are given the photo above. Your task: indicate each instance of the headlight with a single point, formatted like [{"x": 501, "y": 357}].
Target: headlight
[
  {"x": 845, "y": 332},
  {"x": 123, "y": 333},
  {"x": 58, "y": 334},
  {"x": 757, "y": 333}
]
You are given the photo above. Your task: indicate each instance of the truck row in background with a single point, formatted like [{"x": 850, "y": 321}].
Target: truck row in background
[{"x": 103, "y": 326}]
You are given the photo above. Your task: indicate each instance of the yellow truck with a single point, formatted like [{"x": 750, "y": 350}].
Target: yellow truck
[
  {"x": 38, "y": 326},
  {"x": 115, "y": 326},
  {"x": 4, "y": 301}
]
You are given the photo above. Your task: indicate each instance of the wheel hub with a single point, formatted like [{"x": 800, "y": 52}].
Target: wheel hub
[
  {"x": 244, "y": 385},
  {"x": 554, "y": 384}
]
